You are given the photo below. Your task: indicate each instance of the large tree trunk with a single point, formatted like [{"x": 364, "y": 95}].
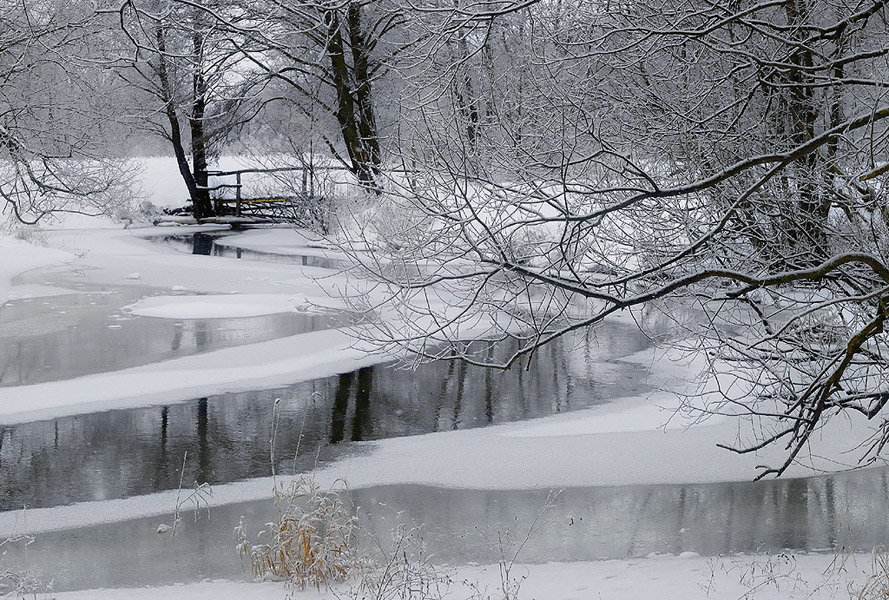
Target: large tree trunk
[
  {"x": 354, "y": 98},
  {"x": 194, "y": 175},
  {"x": 806, "y": 225},
  {"x": 175, "y": 133},
  {"x": 203, "y": 207}
]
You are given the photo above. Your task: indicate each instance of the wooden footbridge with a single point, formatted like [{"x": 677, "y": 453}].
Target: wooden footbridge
[{"x": 305, "y": 206}]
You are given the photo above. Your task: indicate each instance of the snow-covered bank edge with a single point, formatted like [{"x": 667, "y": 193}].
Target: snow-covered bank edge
[
  {"x": 263, "y": 365},
  {"x": 18, "y": 257},
  {"x": 685, "y": 577}
]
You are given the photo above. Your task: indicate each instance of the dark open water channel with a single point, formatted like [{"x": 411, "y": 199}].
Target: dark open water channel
[
  {"x": 212, "y": 243},
  {"x": 123, "y": 453}
]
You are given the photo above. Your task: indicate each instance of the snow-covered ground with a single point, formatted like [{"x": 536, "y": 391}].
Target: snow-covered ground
[
  {"x": 686, "y": 577},
  {"x": 640, "y": 440},
  {"x": 18, "y": 257}
]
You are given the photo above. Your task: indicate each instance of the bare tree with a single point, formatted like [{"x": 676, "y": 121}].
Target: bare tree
[
  {"x": 194, "y": 71},
  {"x": 728, "y": 158},
  {"x": 55, "y": 110},
  {"x": 329, "y": 56}
]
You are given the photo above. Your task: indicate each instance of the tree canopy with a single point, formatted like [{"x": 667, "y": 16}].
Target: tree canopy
[{"x": 726, "y": 158}]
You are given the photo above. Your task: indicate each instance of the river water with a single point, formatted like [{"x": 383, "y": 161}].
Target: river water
[
  {"x": 60, "y": 337},
  {"x": 837, "y": 513},
  {"x": 123, "y": 453}
]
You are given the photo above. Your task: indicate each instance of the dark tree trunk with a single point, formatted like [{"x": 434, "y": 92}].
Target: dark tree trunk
[
  {"x": 203, "y": 207},
  {"x": 467, "y": 99},
  {"x": 175, "y": 134},
  {"x": 354, "y": 99},
  {"x": 194, "y": 175},
  {"x": 806, "y": 226}
]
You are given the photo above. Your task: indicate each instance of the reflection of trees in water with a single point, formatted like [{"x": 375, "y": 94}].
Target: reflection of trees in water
[
  {"x": 340, "y": 407},
  {"x": 139, "y": 451},
  {"x": 594, "y": 523},
  {"x": 489, "y": 390},
  {"x": 13, "y": 361},
  {"x": 458, "y": 396},
  {"x": 205, "y": 471},
  {"x": 205, "y": 244},
  {"x": 441, "y": 396},
  {"x": 200, "y": 331},
  {"x": 161, "y": 460},
  {"x": 178, "y": 326},
  {"x": 361, "y": 423},
  {"x": 202, "y": 244}
]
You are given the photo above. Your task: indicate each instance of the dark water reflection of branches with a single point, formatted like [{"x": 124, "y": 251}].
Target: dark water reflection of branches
[
  {"x": 838, "y": 513},
  {"x": 131, "y": 452}
]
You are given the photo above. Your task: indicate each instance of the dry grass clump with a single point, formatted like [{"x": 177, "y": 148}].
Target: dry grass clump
[
  {"x": 17, "y": 583},
  {"x": 313, "y": 542},
  {"x": 876, "y": 587}
]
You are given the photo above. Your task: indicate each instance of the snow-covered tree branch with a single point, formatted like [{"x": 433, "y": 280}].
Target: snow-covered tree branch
[
  {"x": 55, "y": 106},
  {"x": 724, "y": 160}
]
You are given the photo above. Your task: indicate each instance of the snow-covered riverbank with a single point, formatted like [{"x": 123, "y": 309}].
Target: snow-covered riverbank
[
  {"x": 637, "y": 440},
  {"x": 687, "y": 577}
]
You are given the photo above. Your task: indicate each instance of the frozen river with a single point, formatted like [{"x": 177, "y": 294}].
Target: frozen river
[
  {"x": 841, "y": 512},
  {"x": 89, "y": 331},
  {"x": 125, "y": 453}
]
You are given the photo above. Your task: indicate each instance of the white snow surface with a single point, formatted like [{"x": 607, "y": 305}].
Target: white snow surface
[
  {"x": 20, "y": 257},
  {"x": 684, "y": 577},
  {"x": 219, "y": 306},
  {"x": 639, "y": 440}
]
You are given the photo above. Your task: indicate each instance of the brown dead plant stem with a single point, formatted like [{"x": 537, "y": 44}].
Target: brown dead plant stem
[
  {"x": 313, "y": 541},
  {"x": 876, "y": 586}
]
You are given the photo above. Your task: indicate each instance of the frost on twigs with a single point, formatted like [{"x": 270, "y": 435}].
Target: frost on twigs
[
  {"x": 401, "y": 570},
  {"x": 197, "y": 499},
  {"x": 774, "y": 575},
  {"x": 313, "y": 541},
  {"x": 876, "y": 585},
  {"x": 16, "y": 583}
]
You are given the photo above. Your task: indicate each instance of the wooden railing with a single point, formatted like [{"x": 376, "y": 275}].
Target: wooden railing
[{"x": 238, "y": 185}]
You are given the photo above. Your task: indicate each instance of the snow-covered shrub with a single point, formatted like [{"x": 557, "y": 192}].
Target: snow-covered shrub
[
  {"x": 12, "y": 227},
  {"x": 313, "y": 541},
  {"x": 17, "y": 583}
]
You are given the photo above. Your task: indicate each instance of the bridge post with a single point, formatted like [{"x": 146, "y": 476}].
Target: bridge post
[{"x": 237, "y": 194}]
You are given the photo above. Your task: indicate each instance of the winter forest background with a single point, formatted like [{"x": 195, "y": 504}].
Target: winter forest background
[{"x": 499, "y": 177}]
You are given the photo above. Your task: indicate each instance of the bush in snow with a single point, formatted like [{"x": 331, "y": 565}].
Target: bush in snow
[{"x": 313, "y": 541}]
